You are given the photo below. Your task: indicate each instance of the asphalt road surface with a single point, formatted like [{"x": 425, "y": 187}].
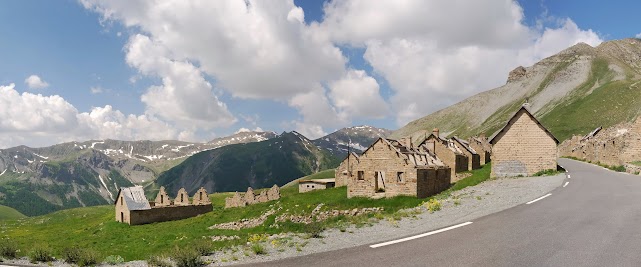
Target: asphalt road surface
[{"x": 594, "y": 219}]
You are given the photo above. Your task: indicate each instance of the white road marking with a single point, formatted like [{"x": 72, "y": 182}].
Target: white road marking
[
  {"x": 566, "y": 184},
  {"x": 538, "y": 199},
  {"x": 419, "y": 236},
  {"x": 569, "y": 176}
]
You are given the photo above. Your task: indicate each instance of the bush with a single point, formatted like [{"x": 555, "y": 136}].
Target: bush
[
  {"x": 617, "y": 168},
  {"x": 40, "y": 254},
  {"x": 114, "y": 259},
  {"x": 433, "y": 205},
  {"x": 8, "y": 249},
  {"x": 158, "y": 261},
  {"x": 80, "y": 256},
  {"x": 187, "y": 257},
  {"x": 203, "y": 247},
  {"x": 314, "y": 230},
  {"x": 258, "y": 249}
]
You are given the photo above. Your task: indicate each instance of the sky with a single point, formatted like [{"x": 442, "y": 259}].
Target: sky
[{"x": 196, "y": 70}]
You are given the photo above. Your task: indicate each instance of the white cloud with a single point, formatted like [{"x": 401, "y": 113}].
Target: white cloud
[
  {"x": 184, "y": 97},
  {"x": 357, "y": 95},
  {"x": 37, "y": 120},
  {"x": 96, "y": 90},
  {"x": 35, "y": 82},
  {"x": 638, "y": 35},
  {"x": 436, "y": 53}
]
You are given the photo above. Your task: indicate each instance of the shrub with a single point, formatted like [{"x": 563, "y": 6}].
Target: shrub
[
  {"x": 40, "y": 254},
  {"x": 114, "y": 259},
  {"x": 433, "y": 205},
  {"x": 80, "y": 256},
  {"x": 617, "y": 168},
  {"x": 202, "y": 247},
  {"x": 158, "y": 261},
  {"x": 185, "y": 257},
  {"x": 546, "y": 172},
  {"x": 314, "y": 229},
  {"x": 8, "y": 249},
  {"x": 258, "y": 249}
]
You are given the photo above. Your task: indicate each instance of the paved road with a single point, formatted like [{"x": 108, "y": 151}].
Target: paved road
[{"x": 595, "y": 220}]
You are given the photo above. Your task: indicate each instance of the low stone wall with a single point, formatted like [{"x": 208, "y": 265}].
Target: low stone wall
[
  {"x": 249, "y": 198},
  {"x": 167, "y": 213}
]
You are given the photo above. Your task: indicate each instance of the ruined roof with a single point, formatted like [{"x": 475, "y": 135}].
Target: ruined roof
[
  {"x": 319, "y": 181},
  {"x": 465, "y": 145},
  {"x": 592, "y": 134},
  {"x": 420, "y": 159},
  {"x": 526, "y": 111},
  {"x": 134, "y": 197}
]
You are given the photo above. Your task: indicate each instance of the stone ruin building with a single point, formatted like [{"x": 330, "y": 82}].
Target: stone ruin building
[
  {"x": 613, "y": 146},
  {"x": 250, "y": 198},
  {"x": 447, "y": 150},
  {"x": 473, "y": 158},
  {"x": 482, "y": 147},
  {"x": 133, "y": 208},
  {"x": 344, "y": 170},
  {"x": 391, "y": 168},
  {"x": 315, "y": 184},
  {"x": 523, "y": 147}
]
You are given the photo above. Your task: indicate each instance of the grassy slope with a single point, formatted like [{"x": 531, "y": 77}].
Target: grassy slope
[
  {"x": 329, "y": 173},
  {"x": 95, "y": 227},
  {"x": 7, "y": 213}
]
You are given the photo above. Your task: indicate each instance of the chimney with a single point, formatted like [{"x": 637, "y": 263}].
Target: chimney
[{"x": 435, "y": 132}]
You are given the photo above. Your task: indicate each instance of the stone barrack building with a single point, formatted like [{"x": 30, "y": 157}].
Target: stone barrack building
[
  {"x": 389, "y": 168},
  {"x": 523, "y": 147},
  {"x": 344, "y": 170},
  {"x": 315, "y": 184},
  {"x": 613, "y": 146},
  {"x": 448, "y": 152},
  {"x": 133, "y": 208}
]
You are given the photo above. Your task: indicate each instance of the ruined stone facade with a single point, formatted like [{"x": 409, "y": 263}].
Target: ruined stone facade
[
  {"x": 523, "y": 147},
  {"x": 344, "y": 171},
  {"x": 133, "y": 208},
  {"x": 249, "y": 198},
  {"x": 448, "y": 152},
  {"x": 614, "y": 146},
  {"x": 474, "y": 159},
  {"x": 388, "y": 168},
  {"x": 317, "y": 184},
  {"x": 482, "y": 147},
  {"x": 182, "y": 199}
]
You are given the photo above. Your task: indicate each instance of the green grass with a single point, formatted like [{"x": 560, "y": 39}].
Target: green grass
[
  {"x": 95, "y": 228},
  {"x": 477, "y": 177},
  {"x": 7, "y": 213},
  {"x": 548, "y": 172},
  {"x": 329, "y": 173}
]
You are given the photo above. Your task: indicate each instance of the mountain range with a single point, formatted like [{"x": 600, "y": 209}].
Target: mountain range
[
  {"x": 36, "y": 181},
  {"x": 572, "y": 92}
]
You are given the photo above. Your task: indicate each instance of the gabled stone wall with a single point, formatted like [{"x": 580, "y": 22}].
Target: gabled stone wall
[
  {"x": 523, "y": 149},
  {"x": 249, "y": 198},
  {"x": 161, "y": 212}
]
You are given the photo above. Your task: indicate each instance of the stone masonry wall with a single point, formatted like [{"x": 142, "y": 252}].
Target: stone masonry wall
[
  {"x": 341, "y": 174},
  {"x": 249, "y": 198},
  {"x": 524, "y": 149},
  {"x": 380, "y": 157},
  {"x": 168, "y": 213}
]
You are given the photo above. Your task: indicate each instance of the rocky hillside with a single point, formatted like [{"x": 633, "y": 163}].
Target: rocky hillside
[
  {"x": 572, "y": 92},
  {"x": 261, "y": 164},
  {"x": 359, "y": 138},
  {"x": 39, "y": 180}
]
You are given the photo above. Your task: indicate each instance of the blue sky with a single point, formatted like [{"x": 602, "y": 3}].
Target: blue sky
[{"x": 82, "y": 51}]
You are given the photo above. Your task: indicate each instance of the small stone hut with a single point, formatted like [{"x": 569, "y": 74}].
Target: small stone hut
[
  {"x": 315, "y": 184},
  {"x": 523, "y": 146},
  {"x": 133, "y": 208},
  {"x": 344, "y": 171},
  {"x": 474, "y": 159},
  {"x": 388, "y": 168}
]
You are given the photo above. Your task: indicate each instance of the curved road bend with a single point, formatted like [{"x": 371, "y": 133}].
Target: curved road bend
[{"x": 595, "y": 220}]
